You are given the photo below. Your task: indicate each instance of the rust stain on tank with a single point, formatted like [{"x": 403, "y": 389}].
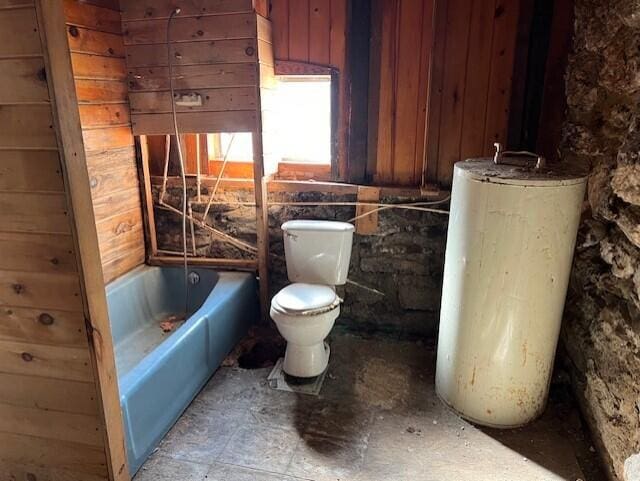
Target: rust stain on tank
[
  {"x": 473, "y": 376},
  {"x": 524, "y": 353}
]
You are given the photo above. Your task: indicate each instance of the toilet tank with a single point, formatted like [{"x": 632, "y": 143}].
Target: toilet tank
[{"x": 317, "y": 251}]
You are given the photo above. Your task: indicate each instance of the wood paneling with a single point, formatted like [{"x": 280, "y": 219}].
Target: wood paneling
[
  {"x": 405, "y": 32},
  {"x": 461, "y": 77},
  {"x": 50, "y": 421},
  {"x": 315, "y": 31},
  {"x": 98, "y": 52},
  {"x": 139, "y": 10}
]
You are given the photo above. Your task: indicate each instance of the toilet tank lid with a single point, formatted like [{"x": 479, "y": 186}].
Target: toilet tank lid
[{"x": 317, "y": 226}]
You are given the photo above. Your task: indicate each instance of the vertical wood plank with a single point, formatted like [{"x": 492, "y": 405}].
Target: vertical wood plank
[
  {"x": 502, "y": 55},
  {"x": 319, "y": 31},
  {"x": 479, "y": 68},
  {"x": 408, "y": 77},
  {"x": 434, "y": 100},
  {"x": 387, "y": 92},
  {"x": 280, "y": 22},
  {"x": 337, "y": 57},
  {"x": 455, "y": 72},
  {"x": 299, "y": 30},
  {"x": 423, "y": 89}
]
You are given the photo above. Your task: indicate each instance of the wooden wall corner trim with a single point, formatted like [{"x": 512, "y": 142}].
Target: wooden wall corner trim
[{"x": 73, "y": 160}]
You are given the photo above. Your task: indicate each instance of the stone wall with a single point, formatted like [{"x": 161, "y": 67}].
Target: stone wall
[
  {"x": 602, "y": 328},
  {"x": 395, "y": 273}
]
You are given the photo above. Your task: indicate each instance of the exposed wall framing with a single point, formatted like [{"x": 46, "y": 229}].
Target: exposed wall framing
[{"x": 226, "y": 56}]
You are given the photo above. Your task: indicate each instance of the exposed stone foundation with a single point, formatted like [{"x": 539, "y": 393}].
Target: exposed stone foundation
[
  {"x": 396, "y": 272},
  {"x": 602, "y": 327}
]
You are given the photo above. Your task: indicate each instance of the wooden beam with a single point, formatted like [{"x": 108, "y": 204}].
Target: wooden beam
[
  {"x": 147, "y": 197},
  {"x": 368, "y": 223},
  {"x": 235, "y": 264},
  {"x": 358, "y": 58},
  {"x": 69, "y": 135}
]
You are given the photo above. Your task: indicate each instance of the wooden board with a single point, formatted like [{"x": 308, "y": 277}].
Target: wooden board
[
  {"x": 96, "y": 18},
  {"x": 45, "y": 393},
  {"x": 195, "y": 122},
  {"x": 193, "y": 53},
  {"x": 96, "y": 67},
  {"x": 23, "y": 81},
  {"x": 104, "y": 115},
  {"x": 17, "y": 170},
  {"x": 34, "y": 212},
  {"x": 43, "y": 326},
  {"x": 107, "y": 138},
  {"x": 58, "y": 426},
  {"x": 19, "y": 33},
  {"x": 213, "y": 100},
  {"x": 61, "y": 455},
  {"x": 86, "y": 40},
  {"x": 29, "y": 252},
  {"x": 140, "y": 10},
  {"x": 189, "y": 77},
  {"x": 184, "y": 29},
  {"x": 100, "y": 92},
  {"x": 27, "y": 126}
]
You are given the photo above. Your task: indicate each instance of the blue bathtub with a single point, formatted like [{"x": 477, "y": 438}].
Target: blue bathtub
[{"x": 160, "y": 373}]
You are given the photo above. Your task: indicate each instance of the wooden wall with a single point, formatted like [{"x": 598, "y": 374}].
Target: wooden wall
[
  {"x": 315, "y": 31},
  {"x": 445, "y": 65},
  {"x": 471, "y": 82},
  {"x": 51, "y": 421},
  {"x": 401, "y": 55},
  {"x": 97, "y": 53},
  {"x": 215, "y": 54}
]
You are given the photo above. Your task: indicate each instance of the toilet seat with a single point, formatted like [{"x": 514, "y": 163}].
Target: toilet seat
[{"x": 301, "y": 299}]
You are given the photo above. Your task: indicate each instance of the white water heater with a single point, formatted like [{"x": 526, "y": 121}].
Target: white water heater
[{"x": 510, "y": 243}]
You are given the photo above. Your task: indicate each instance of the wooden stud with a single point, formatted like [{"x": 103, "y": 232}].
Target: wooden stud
[
  {"x": 147, "y": 198},
  {"x": 369, "y": 223},
  {"x": 67, "y": 119}
]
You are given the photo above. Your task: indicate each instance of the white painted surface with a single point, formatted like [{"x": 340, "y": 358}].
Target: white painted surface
[
  {"x": 317, "y": 252},
  {"x": 508, "y": 259}
]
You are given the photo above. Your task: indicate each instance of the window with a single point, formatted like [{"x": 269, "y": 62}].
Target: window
[
  {"x": 303, "y": 119},
  {"x": 299, "y": 132}
]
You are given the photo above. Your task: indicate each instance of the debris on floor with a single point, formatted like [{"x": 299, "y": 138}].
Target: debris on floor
[{"x": 172, "y": 322}]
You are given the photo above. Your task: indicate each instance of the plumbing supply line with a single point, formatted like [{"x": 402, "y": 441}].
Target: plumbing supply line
[{"x": 175, "y": 12}]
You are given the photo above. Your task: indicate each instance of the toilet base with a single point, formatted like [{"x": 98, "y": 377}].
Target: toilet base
[{"x": 306, "y": 361}]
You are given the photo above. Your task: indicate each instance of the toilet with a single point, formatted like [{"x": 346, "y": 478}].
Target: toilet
[{"x": 317, "y": 255}]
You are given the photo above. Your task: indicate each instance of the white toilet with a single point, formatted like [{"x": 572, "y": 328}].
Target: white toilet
[{"x": 317, "y": 254}]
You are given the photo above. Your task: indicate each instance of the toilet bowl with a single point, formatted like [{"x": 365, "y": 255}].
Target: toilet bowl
[{"x": 317, "y": 255}]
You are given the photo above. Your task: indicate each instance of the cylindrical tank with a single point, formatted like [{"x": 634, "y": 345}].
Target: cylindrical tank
[{"x": 510, "y": 243}]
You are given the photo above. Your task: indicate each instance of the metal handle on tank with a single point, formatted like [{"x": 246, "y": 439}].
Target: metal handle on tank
[{"x": 500, "y": 155}]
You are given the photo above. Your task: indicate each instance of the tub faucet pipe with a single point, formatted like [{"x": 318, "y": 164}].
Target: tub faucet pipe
[{"x": 176, "y": 132}]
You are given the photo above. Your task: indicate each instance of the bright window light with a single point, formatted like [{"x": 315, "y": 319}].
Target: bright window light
[
  {"x": 302, "y": 106},
  {"x": 299, "y": 126}
]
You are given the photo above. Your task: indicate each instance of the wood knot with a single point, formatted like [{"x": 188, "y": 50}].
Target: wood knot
[
  {"x": 249, "y": 51},
  {"x": 42, "y": 74},
  {"x": 45, "y": 319},
  {"x": 123, "y": 227},
  {"x": 26, "y": 357},
  {"x": 31, "y": 477},
  {"x": 18, "y": 288},
  {"x": 73, "y": 31},
  {"x": 55, "y": 261},
  {"x": 200, "y": 33}
]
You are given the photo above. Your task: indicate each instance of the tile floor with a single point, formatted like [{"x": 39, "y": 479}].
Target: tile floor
[{"x": 376, "y": 419}]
